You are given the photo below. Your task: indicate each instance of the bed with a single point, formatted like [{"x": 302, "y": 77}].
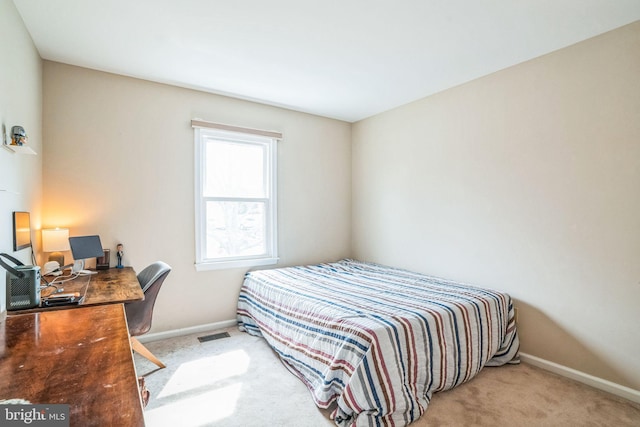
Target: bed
[{"x": 373, "y": 343}]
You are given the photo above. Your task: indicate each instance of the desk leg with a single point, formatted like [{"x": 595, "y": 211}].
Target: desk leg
[{"x": 144, "y": 352}]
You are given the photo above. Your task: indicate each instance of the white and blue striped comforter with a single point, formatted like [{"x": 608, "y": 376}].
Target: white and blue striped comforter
[{"x": 375, "y": 340}]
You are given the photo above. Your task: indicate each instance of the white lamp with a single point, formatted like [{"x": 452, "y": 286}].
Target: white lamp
[{"x": 55, "y": 240}]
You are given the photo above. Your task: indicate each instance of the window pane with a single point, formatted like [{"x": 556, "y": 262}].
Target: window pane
[
  {"x": 235, "y": 229},
  {"x": 234, "y": 169}
]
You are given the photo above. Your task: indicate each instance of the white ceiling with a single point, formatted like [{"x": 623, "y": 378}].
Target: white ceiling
[{"x": 345, "y": 59}]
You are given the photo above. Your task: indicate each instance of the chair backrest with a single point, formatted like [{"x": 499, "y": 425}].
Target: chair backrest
[
  {"x": 151, "y": 273},
  {"x": 140, "y": 313}
]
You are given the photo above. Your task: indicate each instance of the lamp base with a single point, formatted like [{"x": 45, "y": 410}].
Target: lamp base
[{"x": 57, "y": 257}]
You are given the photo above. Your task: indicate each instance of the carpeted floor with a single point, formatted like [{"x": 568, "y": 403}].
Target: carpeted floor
[{"x": 239, "y": 381}]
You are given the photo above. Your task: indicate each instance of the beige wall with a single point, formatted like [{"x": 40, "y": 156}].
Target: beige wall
[
  {"x": 527, "y": 180},
  {"x": 119, "y": 163},
  {"x": 20, "y": 104}
]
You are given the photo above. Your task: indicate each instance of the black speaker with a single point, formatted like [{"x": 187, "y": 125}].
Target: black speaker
[
  {"x": 23, "y": 284},
  {"x": 23, "y": 292}
]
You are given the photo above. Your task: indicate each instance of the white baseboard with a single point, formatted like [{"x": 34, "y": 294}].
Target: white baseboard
[
  {"x": 590, "y": 380},
  {"x": 186, "y": 331}
]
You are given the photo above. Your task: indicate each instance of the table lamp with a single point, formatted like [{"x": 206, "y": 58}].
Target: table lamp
[{"x": 55, "y": 240}]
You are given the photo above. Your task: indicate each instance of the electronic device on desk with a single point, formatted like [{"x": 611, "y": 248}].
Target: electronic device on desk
[
  {"x": 52, "y": 268},
  {"x": 23, "y": 284},
  {"x": 62, "y": 299},
  {"x": 82, "y": 248},
  {"x": 102, "y": 263}
]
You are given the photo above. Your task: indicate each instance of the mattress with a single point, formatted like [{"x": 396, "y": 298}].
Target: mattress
[{"x": 372, "y": 342}]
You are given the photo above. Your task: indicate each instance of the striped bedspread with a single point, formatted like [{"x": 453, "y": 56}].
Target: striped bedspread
[{"x": 376, "y": 342}]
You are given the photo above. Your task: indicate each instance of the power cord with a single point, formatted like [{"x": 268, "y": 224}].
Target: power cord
[{"x": 57, "y": 281}]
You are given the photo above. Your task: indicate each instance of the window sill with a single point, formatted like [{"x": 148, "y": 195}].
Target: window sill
[{"x": 240, "y": 263}]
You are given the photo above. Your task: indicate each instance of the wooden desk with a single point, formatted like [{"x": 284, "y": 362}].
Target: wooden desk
[
  {"x": 105, "y": 287},
  {"x": 114, "y": 285},
  {"x": 77, "y": 357}
]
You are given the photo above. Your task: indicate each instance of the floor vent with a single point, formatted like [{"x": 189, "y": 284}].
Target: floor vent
[{"x": 214, "y": 337}]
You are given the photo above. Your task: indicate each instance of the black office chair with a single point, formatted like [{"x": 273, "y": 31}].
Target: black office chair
[{"x": 140, "y": 313}]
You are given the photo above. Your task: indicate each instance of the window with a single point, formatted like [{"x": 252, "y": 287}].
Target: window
[{"x": 235, "y": 196}]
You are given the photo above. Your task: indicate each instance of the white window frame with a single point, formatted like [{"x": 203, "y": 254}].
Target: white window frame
[{"x": 205, "y": 131}]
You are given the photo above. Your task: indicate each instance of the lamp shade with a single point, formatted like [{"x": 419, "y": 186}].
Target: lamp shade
[{"x": 55, "y": 239}]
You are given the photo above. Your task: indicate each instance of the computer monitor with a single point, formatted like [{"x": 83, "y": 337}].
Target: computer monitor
[
  {"x": 21, "y": 230},
  {"x": 84, "y": 247}
]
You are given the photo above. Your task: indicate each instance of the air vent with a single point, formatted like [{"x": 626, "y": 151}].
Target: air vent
[{"x": 214, "y": 337}]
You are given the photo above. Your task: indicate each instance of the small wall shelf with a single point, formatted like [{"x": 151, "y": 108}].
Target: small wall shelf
[{"x": 19, "y": 149}]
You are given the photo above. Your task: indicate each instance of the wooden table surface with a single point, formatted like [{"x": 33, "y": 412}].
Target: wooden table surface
[
  {"x": 114, "y": 285},
  {"x": 79, "y": 357}
]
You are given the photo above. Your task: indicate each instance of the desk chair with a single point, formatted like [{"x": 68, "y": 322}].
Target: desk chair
[{"x": 140, "y": 313}]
